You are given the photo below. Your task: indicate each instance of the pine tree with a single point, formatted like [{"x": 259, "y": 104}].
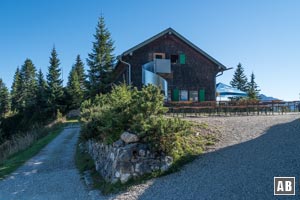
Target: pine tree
[
  {"x": 79, "y": 67},
  {"x": 253, "y": 90},
  {"x": 16, "y": 92},
  {"x": 74, "y": 92},
  {"x": 28, "y": 85},
  {"x": 41, "y": 95},
  {"x": 101, "y": 60},
  {"x": 239, "y": 79},
  {"x": 55, "y": 88},
  {"x": 4, "y": 99}
]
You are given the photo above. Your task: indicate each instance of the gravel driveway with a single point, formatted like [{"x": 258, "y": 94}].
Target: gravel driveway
[
  {"x": 252, "y": 150},
  {"x": 49, "y": 175}
]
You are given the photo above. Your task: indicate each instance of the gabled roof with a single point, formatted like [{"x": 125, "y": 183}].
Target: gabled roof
[{"x": 172, "y": 31}]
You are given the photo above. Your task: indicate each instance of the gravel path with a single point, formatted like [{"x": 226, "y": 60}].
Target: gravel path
[
  {"x": 252, "y": 150},
  {"x": 49, "y": 175}
]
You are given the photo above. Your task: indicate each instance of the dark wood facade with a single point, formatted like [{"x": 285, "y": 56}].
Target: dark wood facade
[{"x": 192, "y": 70}]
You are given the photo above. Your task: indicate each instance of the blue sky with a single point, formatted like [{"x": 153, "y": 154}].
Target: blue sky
[{"x": 264, "y": 35}]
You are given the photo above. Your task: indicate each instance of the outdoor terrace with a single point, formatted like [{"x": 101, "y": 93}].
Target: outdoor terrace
[{"x": 224, "y": 108}]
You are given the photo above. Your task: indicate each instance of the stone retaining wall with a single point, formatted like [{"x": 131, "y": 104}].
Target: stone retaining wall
[{"x": 125, "y": 160}]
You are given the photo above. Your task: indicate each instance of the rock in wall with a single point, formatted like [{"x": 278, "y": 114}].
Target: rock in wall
[{"x": 126, "y": 158}]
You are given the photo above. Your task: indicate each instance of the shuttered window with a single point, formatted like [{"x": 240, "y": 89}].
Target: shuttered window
[
  {"x": 175, "y": 96},
  {"x": 182, "y": 58},
  {"x": 201, "y": 95}
]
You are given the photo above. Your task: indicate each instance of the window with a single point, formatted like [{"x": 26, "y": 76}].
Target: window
[
  {"x": 174, "y": 59},
  {"x": 193, "y": 95},
  {"x": 159, "y": 56},
  {"x": 183, "y": 95}
]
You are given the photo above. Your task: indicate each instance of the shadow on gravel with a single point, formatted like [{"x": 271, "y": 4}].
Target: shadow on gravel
[{"x": 242, "y": 171}]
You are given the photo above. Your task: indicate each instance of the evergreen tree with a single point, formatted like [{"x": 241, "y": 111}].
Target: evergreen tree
[
  {"x": 101, "y": 60},
  {"x": 4, "y": 99},
  {"x": 239, "y": 79},
  {"x": 79, "y": 67},
  {"x": 28, "y": 85},
  {"x": 16, "y": 92},
  {"x": 253, "y": 90},
  {"x": 74, "y": 92},
  {"x": 55, "y": 88},
  {"x": 41, "y": 95}
]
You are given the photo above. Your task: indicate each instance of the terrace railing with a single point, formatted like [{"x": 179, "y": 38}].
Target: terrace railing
[{"x": 231, "y": 107}]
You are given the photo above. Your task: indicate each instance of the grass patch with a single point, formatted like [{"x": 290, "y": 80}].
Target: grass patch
[
  {"x": 83, "y": 161},
  {"x": 16, "y": 160},
  {"x": 71, "y": 121}
]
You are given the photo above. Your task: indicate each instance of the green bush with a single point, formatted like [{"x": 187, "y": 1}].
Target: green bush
[{"x": 140, "y": 112}]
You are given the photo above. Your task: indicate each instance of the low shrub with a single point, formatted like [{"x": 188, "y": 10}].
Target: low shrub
[
  {"x": 123, "y": 109},
  {"x": 140, "y": 112}
]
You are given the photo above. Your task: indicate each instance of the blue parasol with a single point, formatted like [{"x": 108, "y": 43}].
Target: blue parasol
[{"x": 227, "y": 91}]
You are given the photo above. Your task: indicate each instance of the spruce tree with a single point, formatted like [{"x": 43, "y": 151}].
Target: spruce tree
[
  {"x": 239, "y": 79},
  {"x": 74, "y": 92},
  {"x": 101, "y": 60},
  {"x": 41, "y": 95},
  {"x": 4, "y": 99},
  {"x": 253, "y": 90},
  {"x": 28, "y": 85},
  {"x": 16, "y": 92},
  {"x": 79, "y": 67},
  {"x": 55, "y": 88}
]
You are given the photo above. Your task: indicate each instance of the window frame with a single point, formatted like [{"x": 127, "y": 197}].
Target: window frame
[
  {"x": 176, "y": 58},
  {"x": 181, "y": 95},
  {"x": 163, "y": 55},
  {"x": 193, "y": 95}
]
